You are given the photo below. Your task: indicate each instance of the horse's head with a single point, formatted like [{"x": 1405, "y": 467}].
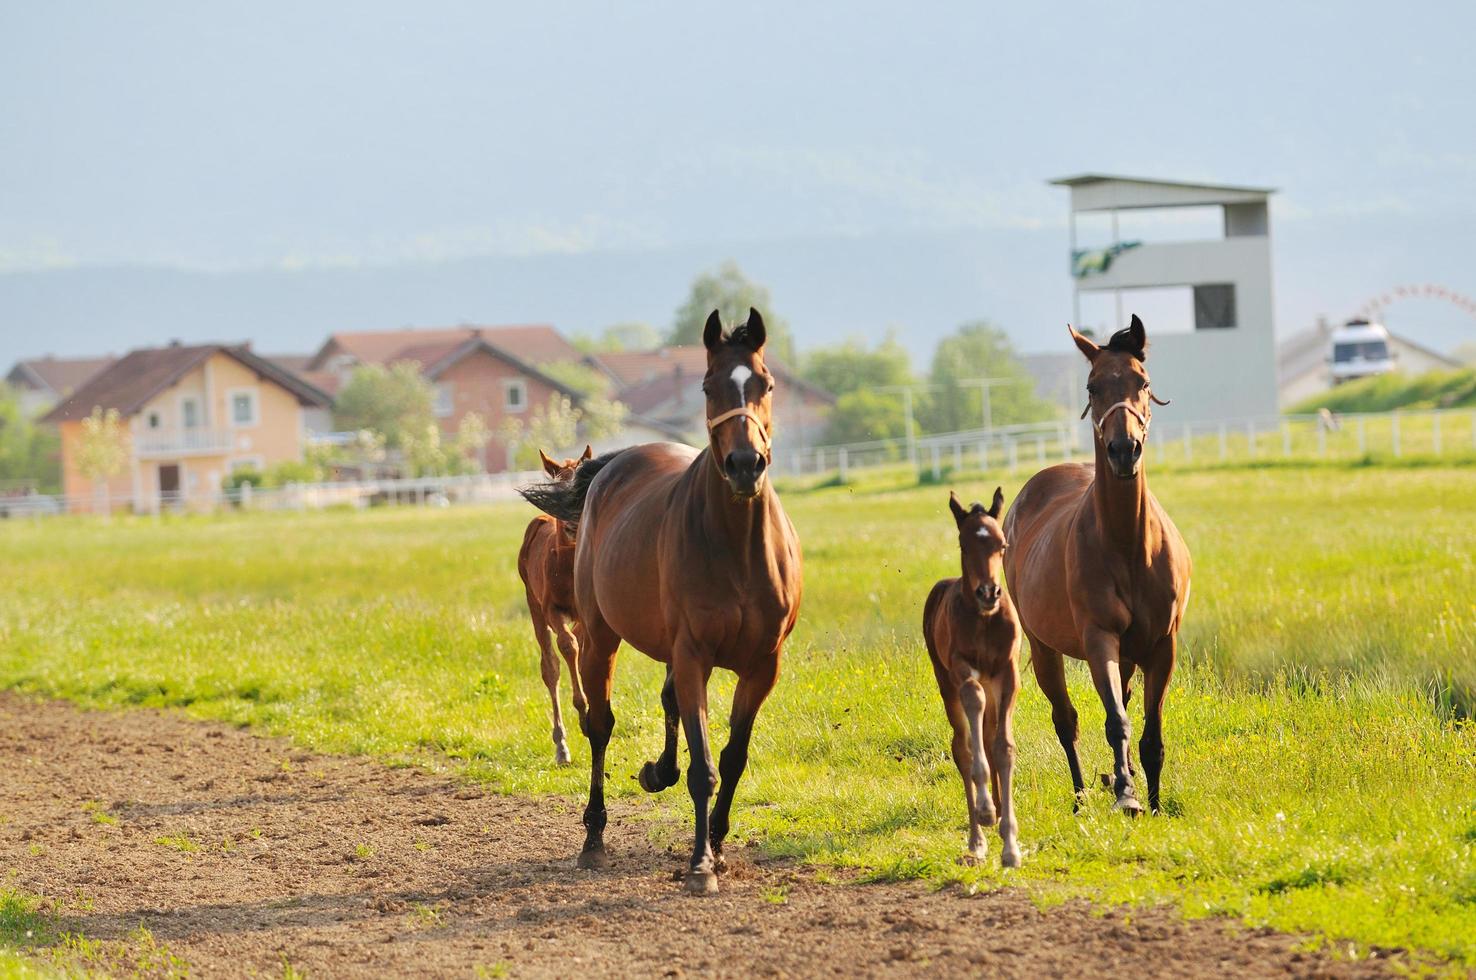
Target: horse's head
[
  {"x": 562, "y": 473},
  {"x": 739, "y": 391},
  {"x": 982, "y": 544},
  {"x": 1119, "y": 398}
]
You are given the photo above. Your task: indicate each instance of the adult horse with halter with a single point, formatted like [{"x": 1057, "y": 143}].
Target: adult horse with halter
[
  {"x": 689, "y": 558},
  {"x": 1098, "y": 570},
  {"x": 973, "y": 639},
  {"x": 546, "y": 566}
]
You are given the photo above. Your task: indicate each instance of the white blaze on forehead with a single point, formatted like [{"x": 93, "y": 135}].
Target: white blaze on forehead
[
  {"x": 983, "y": 532},
  {"x": 740, "y": 377}
]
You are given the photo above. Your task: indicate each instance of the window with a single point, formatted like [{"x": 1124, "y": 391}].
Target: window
[
  {"x": 153, "y": 420},
  {"x": 189, "y": 412},
  {"x": 515, "y": 395},
  {"x": 1214, "y": 306},
  {"x": 243, "y": 406},
  {"x": 445, "y": 402}
]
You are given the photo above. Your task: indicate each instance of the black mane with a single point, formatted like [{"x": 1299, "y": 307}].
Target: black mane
[{"x": 1123, "y": 343}]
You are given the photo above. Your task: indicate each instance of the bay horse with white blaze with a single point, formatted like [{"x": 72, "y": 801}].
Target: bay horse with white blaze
[
  {"x": 689, "y": 558},
  {"x": 546, "y": 566},
  {"x": 973, "y": 640},
  {"x": 1098, "y": 570}
]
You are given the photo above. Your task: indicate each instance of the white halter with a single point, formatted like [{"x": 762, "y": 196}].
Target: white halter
[{"x": 1144, "y": 420}]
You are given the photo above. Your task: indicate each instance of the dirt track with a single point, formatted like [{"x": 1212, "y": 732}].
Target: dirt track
[{"x": 343, "y": 867}]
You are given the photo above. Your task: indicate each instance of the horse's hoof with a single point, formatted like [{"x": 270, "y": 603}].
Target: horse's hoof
[
  {"x": 1010, "y": 857},
  {"x": 648, "y": 779},
  {"x": 561, "y": 755},
  {"x": 1128, "y": 805},
  {"x": 700, "y": 883},
  {"x": 719, "y": 863},
  {"x": 594, "y": 860},
  {"x": 969, "y": 859}
]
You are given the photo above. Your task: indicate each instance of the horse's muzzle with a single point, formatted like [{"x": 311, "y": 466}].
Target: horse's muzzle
[
  {"x": 1123, "y": 455},
  {"x": 744, "y": 470},
  {"x": 988, "y": 596}
]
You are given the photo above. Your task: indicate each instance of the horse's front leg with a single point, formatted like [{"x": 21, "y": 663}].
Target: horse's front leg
[
  {"x": 1155, "y": 688},
  {"x": 748, "y": 697},
  {"x": 1103, "y": 650},
  {"x": 690, "y": 672},
  {"x": 1002, "y": 756}
]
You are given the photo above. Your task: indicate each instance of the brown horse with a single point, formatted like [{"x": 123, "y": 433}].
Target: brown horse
[
  {"x": 1098, "y": 570},
  {"x": 546, "y": 566},
  {"x": 689, "y": 558},
  {"x": 973, "y": 639}
]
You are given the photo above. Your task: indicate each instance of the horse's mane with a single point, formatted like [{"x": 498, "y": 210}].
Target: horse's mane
[
  {"x": 1123, "y": 343},
  {"x": 740, "y": 335},
  {"x": 565, "y": 500}
]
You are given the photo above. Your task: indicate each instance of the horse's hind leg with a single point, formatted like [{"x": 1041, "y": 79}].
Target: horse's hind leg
[
  {"x": 549, "y": 666},
  {"x": 596, "y": 670},
  {"x": 570, "y": 637},
  {"x": 1050, "y": 674},
  {"x": 748, "y": 697},
  {"x": 658, "y": 775}
]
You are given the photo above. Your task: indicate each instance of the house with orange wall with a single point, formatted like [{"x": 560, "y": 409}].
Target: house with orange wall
[{"x": 192, "y": 415}]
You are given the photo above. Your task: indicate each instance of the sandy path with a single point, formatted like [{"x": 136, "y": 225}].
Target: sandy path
[{"x": 347, "y": 868}]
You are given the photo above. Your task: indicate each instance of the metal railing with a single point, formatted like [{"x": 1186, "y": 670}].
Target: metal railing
[{"x": 153, "y": 443}]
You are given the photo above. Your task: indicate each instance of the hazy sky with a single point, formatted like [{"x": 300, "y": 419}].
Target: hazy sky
[{"x": 297, "y": 135}]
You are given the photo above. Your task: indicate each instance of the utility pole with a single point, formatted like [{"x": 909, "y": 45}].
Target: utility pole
[
  {"x": 906, "y": 391},
  {"x": 985, "y": 385}
]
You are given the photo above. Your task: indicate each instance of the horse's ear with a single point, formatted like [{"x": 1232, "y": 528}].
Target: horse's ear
[
  {"x": 712, "y": 334},
  {"x": 588, "y": 453},
  {"x": 549, "y": 466},
  {"x": 958, "y": 509},
  {"x": 1139, "y": 337},
  {"x": 998, "y": 505},
  {"x": 756, "y": 331},
  {"x": 1084, "y": 344}
]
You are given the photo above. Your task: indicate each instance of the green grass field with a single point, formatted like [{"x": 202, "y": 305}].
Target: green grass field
[{"x": 1321, "y": 770}]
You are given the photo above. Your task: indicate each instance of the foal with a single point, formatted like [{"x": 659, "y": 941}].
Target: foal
[
  {"x": 973, "y": 639},
  {"x": 546, "y": 565}
]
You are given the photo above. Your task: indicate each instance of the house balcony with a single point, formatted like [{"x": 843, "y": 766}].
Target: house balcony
[{"x": 167, "y": 443}]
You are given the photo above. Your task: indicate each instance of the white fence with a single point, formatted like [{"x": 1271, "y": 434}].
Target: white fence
[
  {"x": 440, "y": 491},
  {"x": 1444, "y": 433}
]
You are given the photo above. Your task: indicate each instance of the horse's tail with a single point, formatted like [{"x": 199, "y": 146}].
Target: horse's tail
[{"x": 565, "y": 500}]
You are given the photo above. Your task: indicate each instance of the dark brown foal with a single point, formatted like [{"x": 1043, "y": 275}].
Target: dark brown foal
[
  {"x": 1099, "y": 571},
  {"x": 546, "y": 565},
  {"x": 974, "y": 642},
  {"x": 688, "y": 557}
]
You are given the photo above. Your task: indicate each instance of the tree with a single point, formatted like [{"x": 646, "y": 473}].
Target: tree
[
  {"x": 554, "y": 426},
  {"x": 102, "y": 452},
  {"x": 28, "y": 452},
  {"x": 851, "y": 366},
  {"x": 598, "y": 414},
  {"x": 391, "y": 401},
  {"x": 979, "y": 351},
  {"x": 731, "y": 293},
  {"x": 864, "y": 415}
]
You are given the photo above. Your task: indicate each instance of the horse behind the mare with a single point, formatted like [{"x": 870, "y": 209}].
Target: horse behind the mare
[
  {"x": 689, "y": 558},
  {"x": 974, "y": 642},
  {"x": 1099, "y": 572},
  {"x": 546, "y": 566}
]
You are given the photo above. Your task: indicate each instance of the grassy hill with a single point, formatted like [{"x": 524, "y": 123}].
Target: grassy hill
[{"x": 1384, "y": 393}]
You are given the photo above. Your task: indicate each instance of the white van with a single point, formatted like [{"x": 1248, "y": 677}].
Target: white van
[{"x": 1359, "y": 349}]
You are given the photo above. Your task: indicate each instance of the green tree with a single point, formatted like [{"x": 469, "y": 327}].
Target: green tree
[
  {"x": 864, "y": 415},
  {"x": 731, "y": 293},
  {"x": 102, "y": 452},
  {"x": 852, "y": 366},
  {"x": 599, "y": 415},
  {"x": 551, "y": 427},
  {"x": 979, "y": 351},
  {"x": 28, "y": 452},
  {"x": 391, "y": 401}
]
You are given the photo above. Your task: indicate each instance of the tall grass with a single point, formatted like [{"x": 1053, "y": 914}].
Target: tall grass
[{"x": 1321, "y": 766}]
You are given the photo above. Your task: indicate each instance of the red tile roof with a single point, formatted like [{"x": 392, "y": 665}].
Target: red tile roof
[
  {"x": 60, "y": 374},
  {"x": 129, "y": 383},
  {"x": 532, "y": 343}
]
